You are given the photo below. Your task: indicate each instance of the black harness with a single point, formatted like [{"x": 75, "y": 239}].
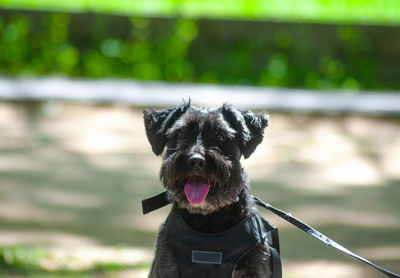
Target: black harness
[
  {"x": 210, "y": 255},
  {"x": 202, "y": 255}
]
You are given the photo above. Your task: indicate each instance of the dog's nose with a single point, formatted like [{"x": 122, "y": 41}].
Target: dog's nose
[{"x": 197, "y": 161}]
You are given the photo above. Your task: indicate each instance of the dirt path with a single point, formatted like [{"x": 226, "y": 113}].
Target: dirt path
[{"x": 73, "y": 175}]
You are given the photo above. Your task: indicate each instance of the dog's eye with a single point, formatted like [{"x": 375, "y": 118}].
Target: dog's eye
[
  {"x": 220, "y": 137},
  {"x": 181, "y": 135}
]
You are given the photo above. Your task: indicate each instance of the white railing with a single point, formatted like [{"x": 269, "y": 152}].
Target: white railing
[{"x": 165, "y": 94}]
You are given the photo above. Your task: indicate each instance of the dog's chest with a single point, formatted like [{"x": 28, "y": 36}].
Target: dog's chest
[{"x": 203, "y": 255}]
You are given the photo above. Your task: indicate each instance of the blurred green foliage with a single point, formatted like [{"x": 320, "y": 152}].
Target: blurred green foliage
[
  {"x": 20, "y": 257},
  {"x": 182, "y": 50},
  {"x": 48, "y": 49},
  {"x": 29, "y": 261},
  {"x": 332, "y": 11}
]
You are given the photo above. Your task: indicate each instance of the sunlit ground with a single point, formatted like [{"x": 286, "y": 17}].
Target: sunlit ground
[{"x": 72, "y": 177}]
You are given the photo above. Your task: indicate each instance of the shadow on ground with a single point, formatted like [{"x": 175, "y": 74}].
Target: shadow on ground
[{"x": 76, "y": 178}]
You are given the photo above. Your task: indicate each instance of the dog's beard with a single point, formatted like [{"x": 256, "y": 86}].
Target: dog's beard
[{"x": 225, "y": 177}]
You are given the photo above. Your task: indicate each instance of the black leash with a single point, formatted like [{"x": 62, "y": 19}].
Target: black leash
[
  {"x": 313, "y": 232},
  {"x": 162, "y": 200}
]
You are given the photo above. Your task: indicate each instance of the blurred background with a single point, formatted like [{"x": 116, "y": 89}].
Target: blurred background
[{"x": 75, "y": 161}]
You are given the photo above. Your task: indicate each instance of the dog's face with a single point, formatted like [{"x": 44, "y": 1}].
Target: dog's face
[{"x": 201, "y": 165}]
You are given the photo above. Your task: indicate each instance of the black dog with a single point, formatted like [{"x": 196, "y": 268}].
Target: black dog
[{"x": 202, "y": 174}]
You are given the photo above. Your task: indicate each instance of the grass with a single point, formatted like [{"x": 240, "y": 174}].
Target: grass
[
  {"x": 26, "y": 261},
  {"x": 319, "y": 11}
]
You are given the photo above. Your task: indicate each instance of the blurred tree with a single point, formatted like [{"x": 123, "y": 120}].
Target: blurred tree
[{"x": 182, "y": 50}]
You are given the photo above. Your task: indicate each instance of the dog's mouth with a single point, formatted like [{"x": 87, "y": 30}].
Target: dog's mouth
[{"x": 196, "y": 189}]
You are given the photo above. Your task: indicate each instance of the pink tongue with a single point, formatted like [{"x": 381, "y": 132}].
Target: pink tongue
[{"x": 196, "y": 190}]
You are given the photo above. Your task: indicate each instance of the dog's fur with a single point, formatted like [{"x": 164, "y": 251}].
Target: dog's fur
[{"x": 221, "y": 136}]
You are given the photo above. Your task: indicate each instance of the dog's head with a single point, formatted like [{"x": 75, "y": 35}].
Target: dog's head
[{"x": 201, "y": 164}]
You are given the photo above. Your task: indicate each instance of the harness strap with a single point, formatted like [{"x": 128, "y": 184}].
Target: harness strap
[
  {"x": 318, "y": 235},
  {"x": 155, "y": 202},
  {"x": 276, "y": 263}
]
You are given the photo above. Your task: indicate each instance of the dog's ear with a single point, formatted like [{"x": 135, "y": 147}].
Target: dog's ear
[
  {"x": 248, "y": 125},
  {"x": 158, "y": 122}
]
